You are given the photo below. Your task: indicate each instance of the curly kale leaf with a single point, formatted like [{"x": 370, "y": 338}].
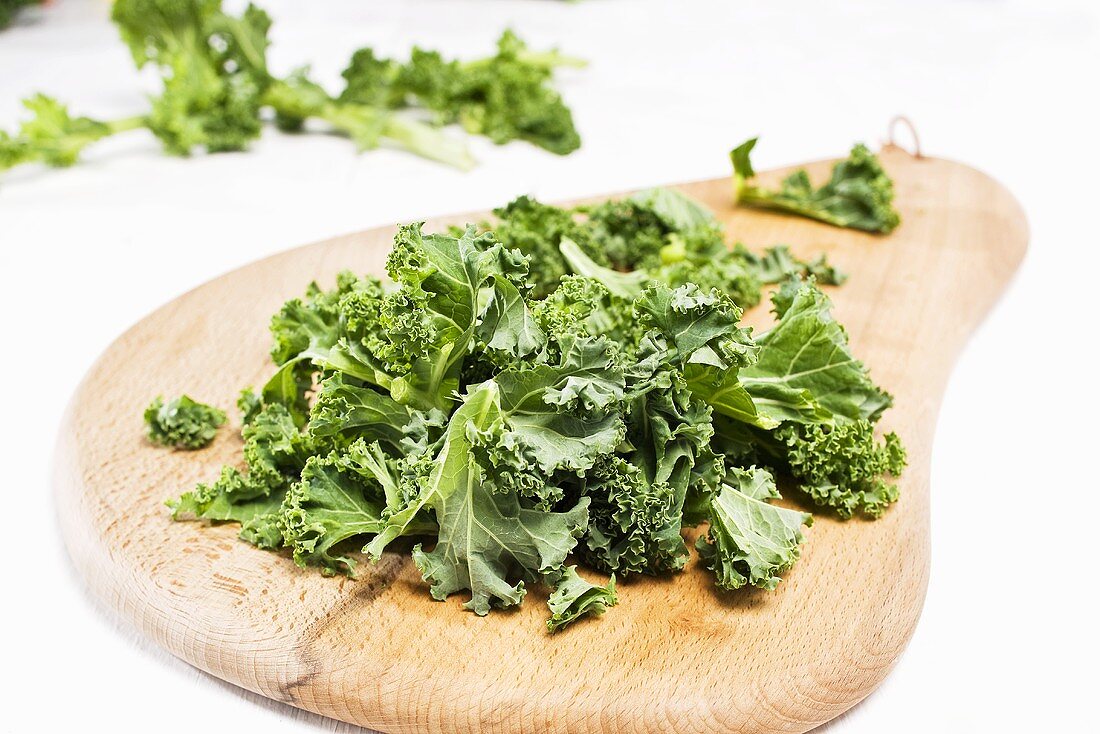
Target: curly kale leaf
[
  {"x": 582, "y": 306},
  {"x": 634, "y": 525},
  {"x": 858, "y": 195},
  {"x": 301, "y": 329},
  {"x": 537, "y": 230},
  {"x": 487, "y": 538},
  {"x": 628, "y": 233},
  {"x": 574, "y": 597},
  {"x": 658, "y": 235},
  {"x": 662, "y": 477},
  {"x": 678, "y": 212},
  {"x": 339, "y": 497},
  {"x": 236, "y": 497},
  {"x": 182, "y": 423},
  {"x": 555, "y": 420},
  {"x": 670, "y": 430},
  {"x": 352, "y": 411},
  {"x": 625, "y": 285},
  {"x": 778, "y": 264},
  {"x": 275, "y": 452},
  {"x": 453, "y": 469},
  {"x": 805, "y": 371},
  {"x": 750, "y": 541},
  {"x": 411, "y": 341},
  {"x": 523, "y": 428},
  {"x": 842, "y": 466},
  {"x": 703, "y": 328},
  {"x": 704, "y": 260},
  {"x": 508, "y": 331},
  {"x": 446, "y": 286},
  {"x": 702, "y": 334}
]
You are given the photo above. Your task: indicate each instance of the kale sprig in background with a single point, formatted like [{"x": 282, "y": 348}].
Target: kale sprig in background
[{"x": 217, "y": 90}]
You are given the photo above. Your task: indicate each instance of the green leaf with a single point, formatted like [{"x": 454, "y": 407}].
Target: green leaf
[
  {"x": 236, "y": 497},
  {"x": 507, "y": 325},
  {"x": 182, "y": 423},
  {"x": 454, "y": 469},
  {"x": 352, "y": 411},
  {"x": 331, "y": 504},
  {"x": 778, "y": 263},
  {"x": 702, "y": 327},
  {"x": 858, "y": 195},
  {"x": 634, "y": 524},
  {"x": 805, "y": 371},
  {"x": 574, "y": 597},
  {"x": 842, "y": 466},
  {"x": 486, "y": 539},
  {"x": 678, "y": 211},
  {"x": 275, "y": 452},
  {"x": 750, "y": 541},
  {"x": 757, "y": 484}
]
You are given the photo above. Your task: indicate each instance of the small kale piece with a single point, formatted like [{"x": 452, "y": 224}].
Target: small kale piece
[
  {"x": 750, "y": 541},
  {"x": 841, "y": 466},
  {"x": 574, "y": 597},
  {"x": 182, "y": 422},
  {"x": 858, "y": 195}
]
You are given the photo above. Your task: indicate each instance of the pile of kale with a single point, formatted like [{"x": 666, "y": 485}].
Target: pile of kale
[
  {"x": 217, "y": 90},
  {"x": 556, "y": 384}
]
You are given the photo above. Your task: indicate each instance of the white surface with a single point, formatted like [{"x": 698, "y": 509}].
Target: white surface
[{"x": 1008, "y": 637}]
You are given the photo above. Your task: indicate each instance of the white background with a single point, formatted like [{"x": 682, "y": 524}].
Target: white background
[{"x": 1008, "y": 637}]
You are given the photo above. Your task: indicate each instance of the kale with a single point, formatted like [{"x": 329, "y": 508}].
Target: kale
[
  {"x": 215, "y": 85},
  {"x": 511, "y": 399},
  {"x": 859, "y": 194},
  {"x": 182, "y": 423}
]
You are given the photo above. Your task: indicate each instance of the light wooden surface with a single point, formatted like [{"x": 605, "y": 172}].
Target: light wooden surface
[{"x": 676, "y": 655}]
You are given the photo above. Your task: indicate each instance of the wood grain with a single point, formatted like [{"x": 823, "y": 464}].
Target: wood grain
[{"x": 676, "y": 655}]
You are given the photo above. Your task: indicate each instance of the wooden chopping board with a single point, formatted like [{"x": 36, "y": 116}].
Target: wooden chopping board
[{"x": 676, "y": 655}]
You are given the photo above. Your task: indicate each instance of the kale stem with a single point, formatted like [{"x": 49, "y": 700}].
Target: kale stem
[
  {"x": 541, "y": 59},
  {"x": 125, "y": 124},
  {"x": 552, "y": 59}
]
